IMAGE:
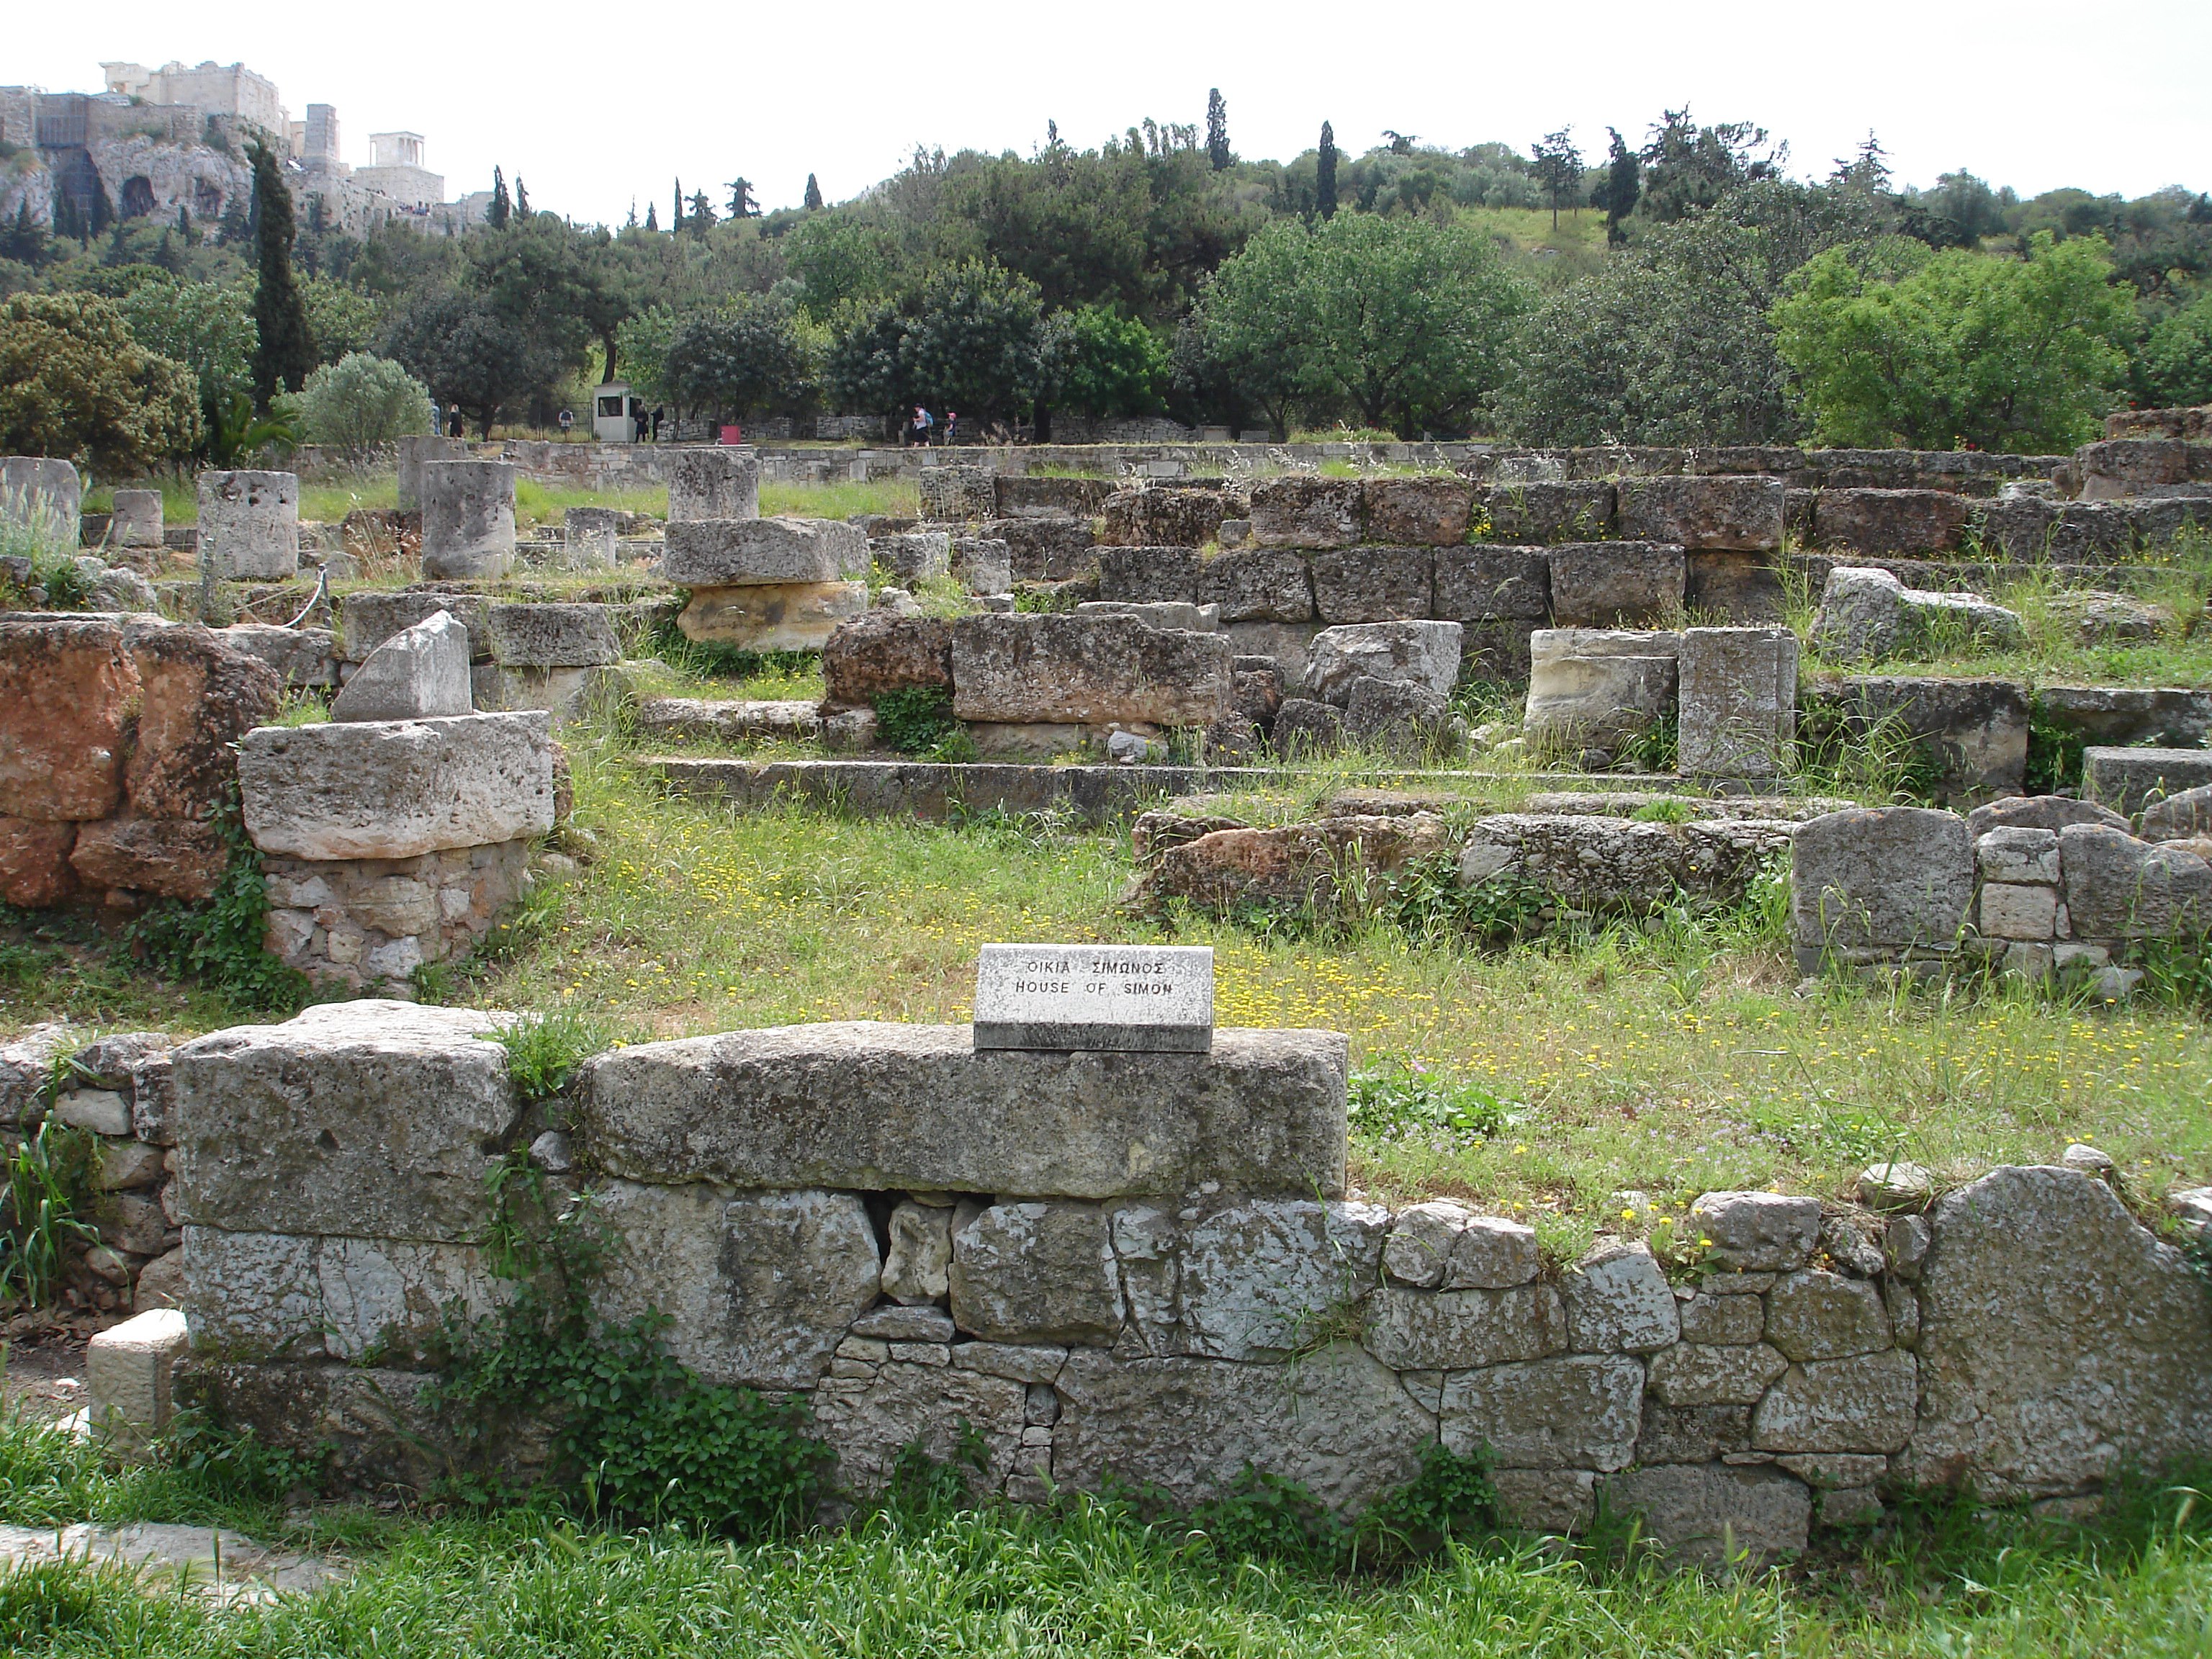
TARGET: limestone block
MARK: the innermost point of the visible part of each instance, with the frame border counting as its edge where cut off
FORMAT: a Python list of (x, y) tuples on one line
[(1757, 1231), (2178, 717), (2019, 853), (1539, 511), (128, 1369), (413, 451), (2017, 912), (160, 856), (26, 1066), (1157, 613), (298, 656), (1149, 575), (392, 789), (249, 526), (468, 518), (137, 518), (949, 1413), (1862, 1404), (872, 1107), (1431, 512), (421, 673), (916, 1265), (251, 1295), (1867, 614), (367, 619), (1740, 512), (68, 691), (1439, 1245), (1607, 866), (762, 552), (1714, 1513), (1019, 496), (773, 616), (1046, 549), (1740, 589), (590, 538), (1292, 867), (1304, 510), (1304, 728), (760, 1288), (1883, 878), (1336, 1420), (920, 1324), (984, 564), (1617, 584), (2117, 887), (1259, 1280), (553, 636), (34, 489), (881, 653), (389, 1299), (1441, 1330), (195, 700), (1581, 1411), (1399, 717), (1723, 1319), (103, 1111), (1972, 734), (1811, 1315), (367, 1118), (1916, 523), (912, 556), (2129, 779), (1093, 671), (714, 482), (1483, 583), (1258, 585), (1424, 653), (2178, 817), (2027, 531), (1738, 701), (1373, 584), (1692, 1434), (1036, 1273), (1597, 686), (35, 863), (1619, 1301), (1150, 517)]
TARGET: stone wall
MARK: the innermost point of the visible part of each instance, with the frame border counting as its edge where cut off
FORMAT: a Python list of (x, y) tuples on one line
[(1148, 1268)]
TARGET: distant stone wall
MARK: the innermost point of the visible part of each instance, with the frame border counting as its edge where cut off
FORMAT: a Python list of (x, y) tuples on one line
[(1148, 1268)]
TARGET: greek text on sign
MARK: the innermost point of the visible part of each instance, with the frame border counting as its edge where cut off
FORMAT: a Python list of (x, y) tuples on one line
[(1155, 997)]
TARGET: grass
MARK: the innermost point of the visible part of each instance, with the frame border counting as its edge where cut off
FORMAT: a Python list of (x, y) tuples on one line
[(1087, 1578), (894, 498)]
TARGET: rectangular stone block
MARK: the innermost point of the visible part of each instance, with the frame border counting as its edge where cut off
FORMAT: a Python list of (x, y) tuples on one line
[(1132, 997), (368, 618), (773, 616), (374, 1119), (1374, 585), (1911, 522), (1484, 582), (1263, 584), (249, 526), (714, 482), (1548, 512), (753, 552), (1420, 512), (1091, 671), (392, 789), (1737, 699), (1304, 510), (128, 1368), (553, 636), (2128, 779), (1743, 512), (1617, 584), (1149, 575), (870, 1108), (1972, 734), (68, 691)]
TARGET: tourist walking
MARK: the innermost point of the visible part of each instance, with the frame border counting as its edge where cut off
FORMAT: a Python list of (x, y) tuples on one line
[(919, 426), (952, 426)]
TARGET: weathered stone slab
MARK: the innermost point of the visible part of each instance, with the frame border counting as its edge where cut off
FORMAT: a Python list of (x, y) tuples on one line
[(1046, 549), (1911, 522), (366, 1118), (2130, 779), (169, 857), (1972, 734), (1449, 1330), (1882, 877), (1156, 613), (1617, 584), (773, 616), (918, 1108), (2170, 716), (1868, 614), (553, 636), (421, 673), (1424, 654), (298, 656), (1149, 517), (1149, 575), (195, 700), (1758, 1232), (1597, 686), (759, 1288), (1485, 583), (468, 518), (1539, 511), (34, 488), (1303, 510), (1373, 583), (249, 526), (1606, 866), (368, 618), (1418, 512), (1296, 865), (1619, 1301), (2049, 813), (394, 789), (1812, 1315), (1258, 585), (1578, 1412), (252, 1295), (2117, 887), (948, 1413), (881, 653), (1740, 512), (1262, 1280), (1714, 1374), (1136, 997), (762, 552), (1862, 1404), (716, 482), (1737, 701), (1713, 1513), (1440, 1245), (1091, 670), (68, 690), (1337, 1421), (1036, 1273)]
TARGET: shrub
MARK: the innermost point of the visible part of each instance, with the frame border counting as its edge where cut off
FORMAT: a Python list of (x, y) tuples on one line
[(74, 382), (915, 720), (219, 940), (362, 401)]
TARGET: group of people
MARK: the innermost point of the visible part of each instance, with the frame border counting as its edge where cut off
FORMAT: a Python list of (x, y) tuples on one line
[(918, 429)]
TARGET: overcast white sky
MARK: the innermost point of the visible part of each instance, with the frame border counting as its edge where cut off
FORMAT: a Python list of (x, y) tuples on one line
[(597, 106)]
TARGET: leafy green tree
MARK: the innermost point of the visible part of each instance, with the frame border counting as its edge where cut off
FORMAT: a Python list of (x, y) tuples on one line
[(1246, 340), (1687, 169), (1218, 155), (1623, 184), (284, 349), (840, 261), (344, 319), (1325, 173), (1404, 320), (459, 345), (743, 203), (699, 216), (206, 327), (564, 288), (2174, 366), (1934, 350), (359, 402), (73, 383), (970, 338), (1559, 169), (751, 356), (1104, 365)]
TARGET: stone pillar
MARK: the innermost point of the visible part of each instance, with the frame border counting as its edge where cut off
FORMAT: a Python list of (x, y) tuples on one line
[(767, 584), (714, 484), (33, 487), (138, 518), (128, 1369), (468, 518), (413, 451), (1738, 703), (592, 533), (249, 526)]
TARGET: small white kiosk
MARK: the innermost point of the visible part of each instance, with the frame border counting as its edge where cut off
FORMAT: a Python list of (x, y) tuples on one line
[(614, 413)]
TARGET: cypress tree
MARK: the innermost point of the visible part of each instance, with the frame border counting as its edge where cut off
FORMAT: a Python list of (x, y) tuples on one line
[(284, 355), (502, 209), (1325, 173), (521, 199), (1216, 130), (652, 216), (1623, 184), (677, 224), (813, 201)]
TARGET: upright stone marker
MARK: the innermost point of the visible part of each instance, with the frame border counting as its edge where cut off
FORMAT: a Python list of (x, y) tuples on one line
[(249, 526), (468, 518), (1153, 998)]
